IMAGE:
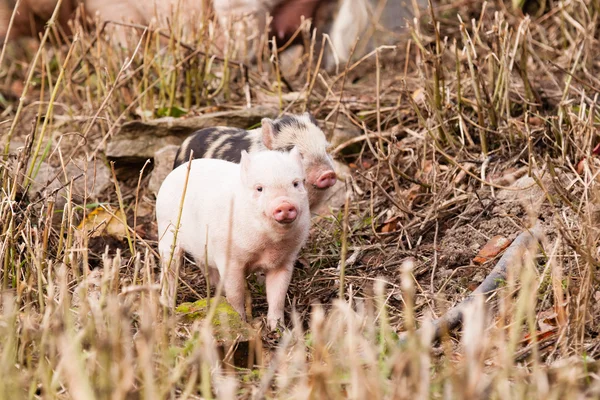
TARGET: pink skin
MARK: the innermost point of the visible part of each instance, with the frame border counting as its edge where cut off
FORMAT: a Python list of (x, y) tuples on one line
[(287, 16), (277, 282), (317, 164), (326, 180), (271, 221), (285, 212), (320, 179)]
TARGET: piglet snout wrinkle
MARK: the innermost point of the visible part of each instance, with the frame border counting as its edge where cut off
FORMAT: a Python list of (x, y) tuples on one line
[(285, 213), (326, 180)]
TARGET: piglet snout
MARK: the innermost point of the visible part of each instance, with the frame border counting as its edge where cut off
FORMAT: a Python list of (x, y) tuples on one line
[(285, 213), (326, 180)]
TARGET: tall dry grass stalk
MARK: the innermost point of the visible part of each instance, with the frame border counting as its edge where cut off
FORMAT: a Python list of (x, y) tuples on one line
[(480, 95)]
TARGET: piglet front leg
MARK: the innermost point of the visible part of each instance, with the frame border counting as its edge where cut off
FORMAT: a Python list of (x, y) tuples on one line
[(277, 281)]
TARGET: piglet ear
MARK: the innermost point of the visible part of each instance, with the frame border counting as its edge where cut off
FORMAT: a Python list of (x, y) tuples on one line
[(245, 165), (268, 133), (295, 154), (310, 117)]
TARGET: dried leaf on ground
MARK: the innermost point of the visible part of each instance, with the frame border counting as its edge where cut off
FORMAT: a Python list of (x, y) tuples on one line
[(103, 221), (491, 249)]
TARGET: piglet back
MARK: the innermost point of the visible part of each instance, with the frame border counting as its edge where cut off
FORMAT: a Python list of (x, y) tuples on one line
[(217, 142)]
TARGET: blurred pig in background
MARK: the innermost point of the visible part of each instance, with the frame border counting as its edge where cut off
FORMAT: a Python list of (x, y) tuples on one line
[(374, 21)]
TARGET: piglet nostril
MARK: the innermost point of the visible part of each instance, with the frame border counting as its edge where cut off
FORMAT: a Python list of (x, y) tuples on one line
[(326, 180), (292, 213)]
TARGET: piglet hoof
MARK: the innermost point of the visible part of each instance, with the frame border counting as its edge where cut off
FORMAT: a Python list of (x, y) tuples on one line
[(275, 324), (166, 302)]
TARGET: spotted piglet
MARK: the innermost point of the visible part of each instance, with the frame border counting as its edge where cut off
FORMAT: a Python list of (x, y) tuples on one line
[(251, 216), (301, 131)]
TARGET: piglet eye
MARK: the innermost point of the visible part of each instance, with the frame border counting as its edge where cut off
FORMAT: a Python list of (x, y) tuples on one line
[(296, 184), (259, 188)]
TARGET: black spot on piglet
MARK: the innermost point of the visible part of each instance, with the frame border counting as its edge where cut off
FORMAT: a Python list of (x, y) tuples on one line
[(231, 149), (201, 141), (287, 121)]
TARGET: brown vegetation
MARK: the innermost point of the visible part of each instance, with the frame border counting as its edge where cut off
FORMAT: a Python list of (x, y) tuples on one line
[(477, 123)]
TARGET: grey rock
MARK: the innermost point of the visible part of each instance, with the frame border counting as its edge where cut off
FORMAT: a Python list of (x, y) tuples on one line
[(95, 181), (342, 135), (45, 181), (137, 141), (91, 181), (344, 130), (163, 164), (527, 193)]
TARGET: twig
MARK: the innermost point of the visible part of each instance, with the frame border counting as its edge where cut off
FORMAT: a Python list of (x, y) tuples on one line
[(29, 79), (243, 67), (513, 255), (360, 138), (580, 81), (10, 24)]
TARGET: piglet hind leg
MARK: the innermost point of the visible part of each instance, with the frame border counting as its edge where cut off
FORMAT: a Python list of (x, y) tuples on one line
[(213, 278), (277, 281), (234, 284)]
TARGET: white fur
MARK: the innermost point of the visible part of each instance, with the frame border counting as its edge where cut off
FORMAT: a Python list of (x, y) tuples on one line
[(312, 144), (351, 22), (256, 240)]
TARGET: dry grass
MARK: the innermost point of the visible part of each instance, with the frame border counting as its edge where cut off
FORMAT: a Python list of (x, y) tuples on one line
[(451, 116)]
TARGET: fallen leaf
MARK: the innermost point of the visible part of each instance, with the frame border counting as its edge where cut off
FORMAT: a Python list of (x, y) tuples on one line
[(390, 225), (540, 335), (418, 96), (367, 164), (580, 166), (16, 88), (536, 121), (547, 320), (424, 173), (463, 172), (491, 249), (350, 260), (101, 222), (412, 192)]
